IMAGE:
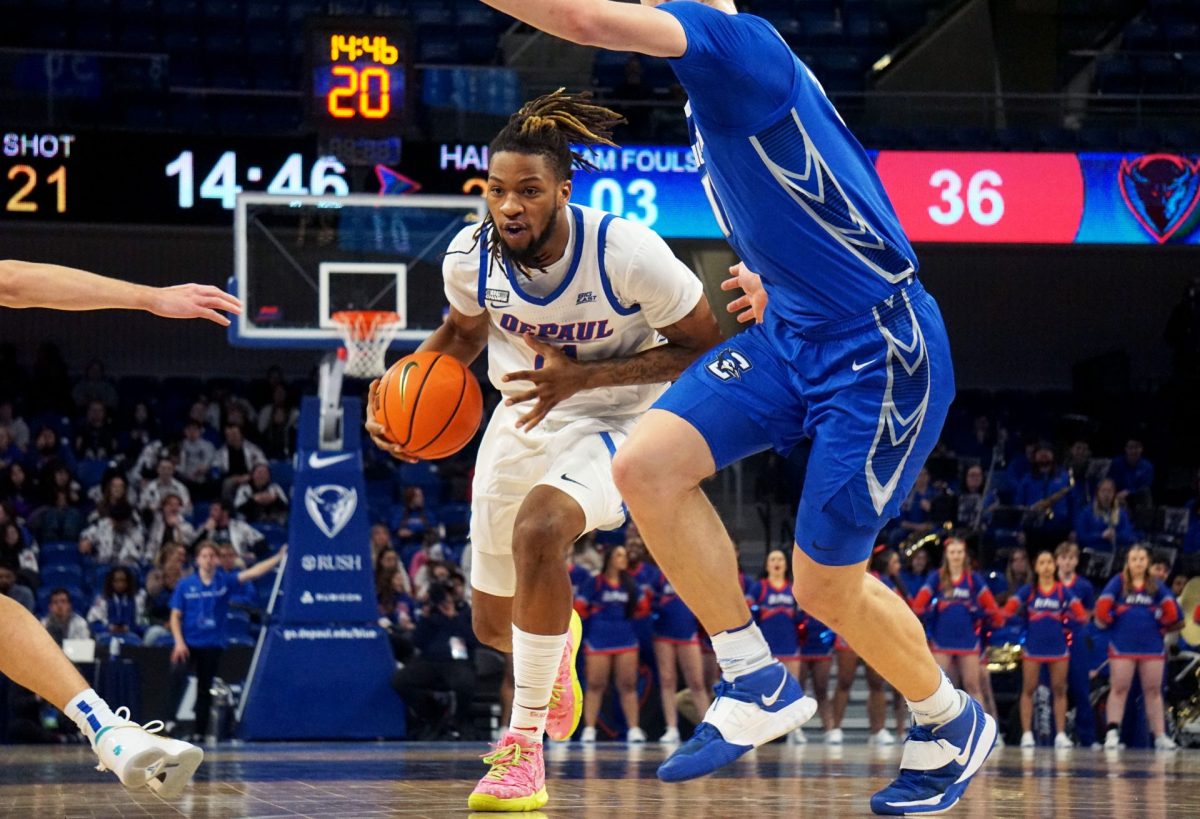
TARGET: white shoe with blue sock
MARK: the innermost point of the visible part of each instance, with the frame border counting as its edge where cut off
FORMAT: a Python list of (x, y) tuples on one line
[(752, 710), (938, 763)]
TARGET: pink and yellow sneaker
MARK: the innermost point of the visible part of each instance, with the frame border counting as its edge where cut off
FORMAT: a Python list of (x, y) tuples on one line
[(517, 779), (566, 698)]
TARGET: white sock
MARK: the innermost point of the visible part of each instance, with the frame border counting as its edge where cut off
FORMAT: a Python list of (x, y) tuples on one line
[(941, 706), (90, 712), (741, 651), (536, 658)]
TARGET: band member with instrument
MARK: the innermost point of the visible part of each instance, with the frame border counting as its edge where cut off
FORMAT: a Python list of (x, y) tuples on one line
[(1104, 526), (1044, 494)]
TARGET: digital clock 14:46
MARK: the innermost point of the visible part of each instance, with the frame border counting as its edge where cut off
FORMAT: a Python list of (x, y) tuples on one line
[(224, 180)]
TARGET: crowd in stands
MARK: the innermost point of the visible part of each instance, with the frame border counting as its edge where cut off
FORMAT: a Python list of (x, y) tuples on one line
[(110, 491)]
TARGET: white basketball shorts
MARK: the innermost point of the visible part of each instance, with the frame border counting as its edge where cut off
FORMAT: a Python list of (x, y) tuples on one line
[(574, 456)]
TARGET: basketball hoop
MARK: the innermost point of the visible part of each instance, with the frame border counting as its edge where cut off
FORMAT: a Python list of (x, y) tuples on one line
[(367, 334)]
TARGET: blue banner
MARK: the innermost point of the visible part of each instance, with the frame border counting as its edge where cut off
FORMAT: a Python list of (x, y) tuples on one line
[(322, 669)]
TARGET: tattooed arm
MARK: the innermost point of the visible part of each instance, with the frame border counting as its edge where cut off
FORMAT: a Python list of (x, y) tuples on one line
[(561, 376)]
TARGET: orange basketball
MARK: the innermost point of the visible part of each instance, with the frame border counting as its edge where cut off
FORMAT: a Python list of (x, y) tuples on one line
[(430, 404)]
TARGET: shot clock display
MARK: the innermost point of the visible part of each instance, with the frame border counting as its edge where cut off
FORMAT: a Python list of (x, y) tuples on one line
[(34, 172), (358, 75)]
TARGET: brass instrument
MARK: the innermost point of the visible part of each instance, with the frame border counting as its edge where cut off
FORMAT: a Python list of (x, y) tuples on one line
[(1043, 510), (915, 543), (1188, 600), (1187, 710), (1004, 658)]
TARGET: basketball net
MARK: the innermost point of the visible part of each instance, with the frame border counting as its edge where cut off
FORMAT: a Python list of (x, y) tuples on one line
[(367, 334)]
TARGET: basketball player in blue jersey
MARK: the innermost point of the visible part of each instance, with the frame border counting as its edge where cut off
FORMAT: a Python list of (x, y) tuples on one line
[(850, 352), (28, 655), (585, 317)]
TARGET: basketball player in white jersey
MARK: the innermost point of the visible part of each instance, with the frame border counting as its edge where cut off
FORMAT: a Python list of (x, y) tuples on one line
[(28, 655), (587, 316)]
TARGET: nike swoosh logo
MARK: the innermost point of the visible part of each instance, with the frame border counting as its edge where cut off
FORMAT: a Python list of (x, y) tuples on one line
[(572, 480), (964, 756), (409, 367), (854, 365), (320, 462), (769, 701), (820, 548)]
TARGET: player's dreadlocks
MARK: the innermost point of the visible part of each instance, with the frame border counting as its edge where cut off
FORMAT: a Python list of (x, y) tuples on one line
[(548, 126)]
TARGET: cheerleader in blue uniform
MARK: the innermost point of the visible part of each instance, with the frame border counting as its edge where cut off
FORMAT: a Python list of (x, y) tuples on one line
[(775, 610), (956, 599), (1045, 606), (611, 644), (676, 645), (1079, 684), (1136, 610)]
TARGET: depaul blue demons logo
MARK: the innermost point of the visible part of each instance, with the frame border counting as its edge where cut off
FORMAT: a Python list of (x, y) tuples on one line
[(729, 364), (1161, 190), (330, 506)]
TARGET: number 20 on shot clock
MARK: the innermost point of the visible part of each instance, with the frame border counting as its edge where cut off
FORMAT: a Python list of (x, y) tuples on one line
[(359, 73)]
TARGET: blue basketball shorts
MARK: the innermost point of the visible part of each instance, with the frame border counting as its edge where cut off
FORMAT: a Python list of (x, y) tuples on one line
[(871, 391)]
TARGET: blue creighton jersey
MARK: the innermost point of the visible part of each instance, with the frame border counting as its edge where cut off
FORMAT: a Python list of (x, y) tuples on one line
[(796, 195)]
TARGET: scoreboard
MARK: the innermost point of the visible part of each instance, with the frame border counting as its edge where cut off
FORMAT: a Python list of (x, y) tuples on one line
[(958, 197)]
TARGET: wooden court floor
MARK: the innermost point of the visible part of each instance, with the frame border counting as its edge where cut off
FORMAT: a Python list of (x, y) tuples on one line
[(433, 780)]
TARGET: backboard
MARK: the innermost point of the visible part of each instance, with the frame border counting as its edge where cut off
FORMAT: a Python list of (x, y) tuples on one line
[(300, 259)]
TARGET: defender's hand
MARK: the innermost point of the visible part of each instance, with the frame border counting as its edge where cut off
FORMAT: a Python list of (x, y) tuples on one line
[(186, 301), (558, 379), (751, 305), (378, 432)]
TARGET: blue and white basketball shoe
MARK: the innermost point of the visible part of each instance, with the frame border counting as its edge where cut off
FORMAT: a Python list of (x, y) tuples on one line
[(750, 711), (938, 763)]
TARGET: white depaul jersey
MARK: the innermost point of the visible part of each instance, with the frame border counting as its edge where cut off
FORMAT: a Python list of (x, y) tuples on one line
[(615, 284)]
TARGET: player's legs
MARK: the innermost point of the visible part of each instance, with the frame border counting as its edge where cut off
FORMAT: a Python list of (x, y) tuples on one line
[(876, 701), (1058, 687), (599, 670), (872, 619), (1030, 671), (1120, 675), (968, 672), (668, 682), (625, 672), (1150, 672), (900, 711), (491, 618), (658, 471), (548, 522), (31, 658)]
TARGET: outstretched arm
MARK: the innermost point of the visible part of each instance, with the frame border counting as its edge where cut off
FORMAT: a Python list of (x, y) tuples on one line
[(602, 23), (262, 567), (30, 284)]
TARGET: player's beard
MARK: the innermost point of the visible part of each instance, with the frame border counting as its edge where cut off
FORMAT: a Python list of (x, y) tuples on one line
[(528, 256)]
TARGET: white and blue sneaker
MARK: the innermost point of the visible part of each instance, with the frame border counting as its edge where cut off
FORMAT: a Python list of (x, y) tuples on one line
[(750, 711), (938, 763)]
